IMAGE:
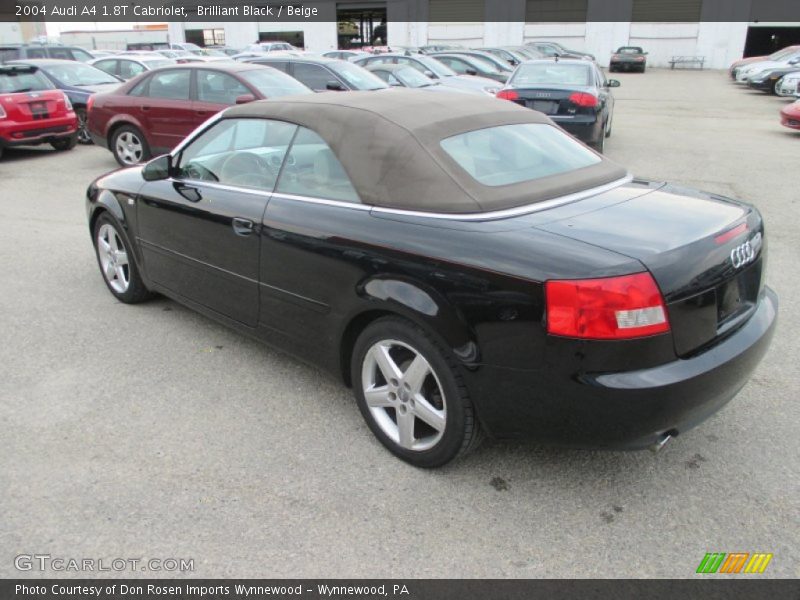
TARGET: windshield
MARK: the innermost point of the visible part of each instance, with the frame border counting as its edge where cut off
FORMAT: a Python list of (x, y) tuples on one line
[(12, 82), (514, 153), (271, 83), (485, 64), (552, 73), (358, 77), (629, 50), (437, 67), (782, 53), (412, 78), (73, 73)]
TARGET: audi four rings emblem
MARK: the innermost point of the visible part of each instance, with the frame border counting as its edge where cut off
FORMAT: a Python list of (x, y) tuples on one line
[(744, 254)]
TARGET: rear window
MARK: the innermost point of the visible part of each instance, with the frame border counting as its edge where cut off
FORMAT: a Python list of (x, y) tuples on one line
[(629, 50), (552, 73), (514, 153), (15, 82)]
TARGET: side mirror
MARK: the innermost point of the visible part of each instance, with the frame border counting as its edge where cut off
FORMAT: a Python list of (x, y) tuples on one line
[(470, 71), (794, 61), (157, 169), (334, 86), (245, 98), (613, 83), (430, 74)]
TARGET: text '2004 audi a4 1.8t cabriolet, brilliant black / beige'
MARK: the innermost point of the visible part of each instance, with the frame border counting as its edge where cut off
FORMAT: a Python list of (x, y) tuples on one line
[(461, 262)]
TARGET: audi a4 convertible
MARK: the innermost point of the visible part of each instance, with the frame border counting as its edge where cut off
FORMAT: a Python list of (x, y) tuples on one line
[(464, 264)]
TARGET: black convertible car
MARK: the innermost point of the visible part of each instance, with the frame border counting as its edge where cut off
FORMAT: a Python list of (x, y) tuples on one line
[(573, 93), (628, 58), (461, 262)]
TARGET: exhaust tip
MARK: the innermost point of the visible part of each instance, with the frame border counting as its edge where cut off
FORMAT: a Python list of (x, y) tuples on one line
[(663, 441)]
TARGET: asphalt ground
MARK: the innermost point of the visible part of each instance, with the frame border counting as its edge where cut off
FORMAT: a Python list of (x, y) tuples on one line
[(150, 431)]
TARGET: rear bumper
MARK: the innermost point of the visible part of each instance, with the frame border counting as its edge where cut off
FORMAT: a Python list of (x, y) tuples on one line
[(625, 64), (626, 410), (37, 132), (792, 122), (586, 129)]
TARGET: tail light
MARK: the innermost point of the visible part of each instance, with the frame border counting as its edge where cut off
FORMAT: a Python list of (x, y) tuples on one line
[(611, 308), (3, 114), (614, 56), (508, 95), (67, 102), (640, 58), (89, 103), (583, 99)]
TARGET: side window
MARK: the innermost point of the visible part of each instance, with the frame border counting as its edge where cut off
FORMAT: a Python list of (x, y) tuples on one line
[(61, 53), (219, 88), (385, 75), (129, 69), (109, 66), (39, 53), (458, 66), (170, 84), (239, 152), (80, 55), (140, 89), (281, 66), (402, 60), (313, 76), (312, 169)]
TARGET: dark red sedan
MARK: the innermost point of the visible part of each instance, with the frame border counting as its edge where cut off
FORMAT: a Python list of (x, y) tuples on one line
[(790, 116), (152, 113)]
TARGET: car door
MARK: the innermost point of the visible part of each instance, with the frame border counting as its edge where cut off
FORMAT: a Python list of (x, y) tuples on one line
[(199, 230), (128, 69), (314, 76), (167, 109), (110, 66), (215, 91)]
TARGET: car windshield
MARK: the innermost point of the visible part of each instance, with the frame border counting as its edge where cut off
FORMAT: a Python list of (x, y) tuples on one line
[(358, 77), (12, 81), (439, 68), (552, 73), (271, 83), (629, 50), (412, 78), (514, 153), (73, 73), (484, 64), (782, 53)]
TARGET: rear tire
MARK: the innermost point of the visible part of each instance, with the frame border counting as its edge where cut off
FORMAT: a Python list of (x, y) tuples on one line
[(67, 143), (418, 406), (600, 144), (83, 127), (117, 262), (129, 146)]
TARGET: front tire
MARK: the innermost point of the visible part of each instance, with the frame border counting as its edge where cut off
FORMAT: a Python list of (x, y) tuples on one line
[(411, 394), (129, 146), (67, 143), (117, 264)]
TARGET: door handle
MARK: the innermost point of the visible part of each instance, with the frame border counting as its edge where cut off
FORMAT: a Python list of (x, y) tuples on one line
[(202, 113), (145, 108), (192, 194), (242, 226)]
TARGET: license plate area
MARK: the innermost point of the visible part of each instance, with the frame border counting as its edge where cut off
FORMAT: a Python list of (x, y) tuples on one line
[(738, 295), (38, 109), (548, 107)]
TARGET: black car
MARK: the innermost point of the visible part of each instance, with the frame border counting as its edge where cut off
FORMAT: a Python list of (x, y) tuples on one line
[(78, 81), (769, 79), (27, 51), (322, 74), (573, 93), (628, 58), (461, 262), (475, 63)]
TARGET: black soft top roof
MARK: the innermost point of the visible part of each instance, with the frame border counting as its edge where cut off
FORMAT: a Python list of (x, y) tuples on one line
[(388, 142)]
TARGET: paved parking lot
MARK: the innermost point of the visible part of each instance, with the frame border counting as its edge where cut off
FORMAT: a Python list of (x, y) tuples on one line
[(150, 431)]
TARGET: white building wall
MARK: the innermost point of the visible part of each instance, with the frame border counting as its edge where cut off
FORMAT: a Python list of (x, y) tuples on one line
[(10, 33), (572, 35), (662, 41)]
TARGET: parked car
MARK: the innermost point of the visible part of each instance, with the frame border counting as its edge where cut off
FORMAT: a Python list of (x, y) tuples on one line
[(769, 80), (628, 58), (553, 49), (153, 112), (572, 92), (409, 77), (475, 62), (428, 48), (465, 266), (436, 70), (227, 50), (743, 74), (101, 53), (267, 47), (26, 51), (789, 85), (33, 111), (775, 56), (790, 115), (323, 74), (79, 81), (345, 54), (186, 46), (513, 55), (126, 67)]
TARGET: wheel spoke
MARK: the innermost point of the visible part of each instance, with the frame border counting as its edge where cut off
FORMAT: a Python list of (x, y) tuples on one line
[(122, 258), (112, 241), (426, 412), (377, 397), (416, 373), (104, 246), (120, 271), (386, 363), (405, 429), (111, 272)]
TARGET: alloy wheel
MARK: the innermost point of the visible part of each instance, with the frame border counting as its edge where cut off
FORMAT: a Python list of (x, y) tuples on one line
[(404, 395), (83, 129), (113, 258), (129, 148)]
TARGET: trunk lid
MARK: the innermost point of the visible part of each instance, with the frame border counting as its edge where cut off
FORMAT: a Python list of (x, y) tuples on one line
[(553, 100), (705, 252), (34, 106)]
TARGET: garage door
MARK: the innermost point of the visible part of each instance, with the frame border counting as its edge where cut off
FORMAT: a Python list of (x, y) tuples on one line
[(456, 10), (549, 11), (686, 11)]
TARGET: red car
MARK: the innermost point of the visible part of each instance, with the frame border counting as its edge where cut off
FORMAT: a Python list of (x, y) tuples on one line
[(790, 116), (33, 112), (152, 113)]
